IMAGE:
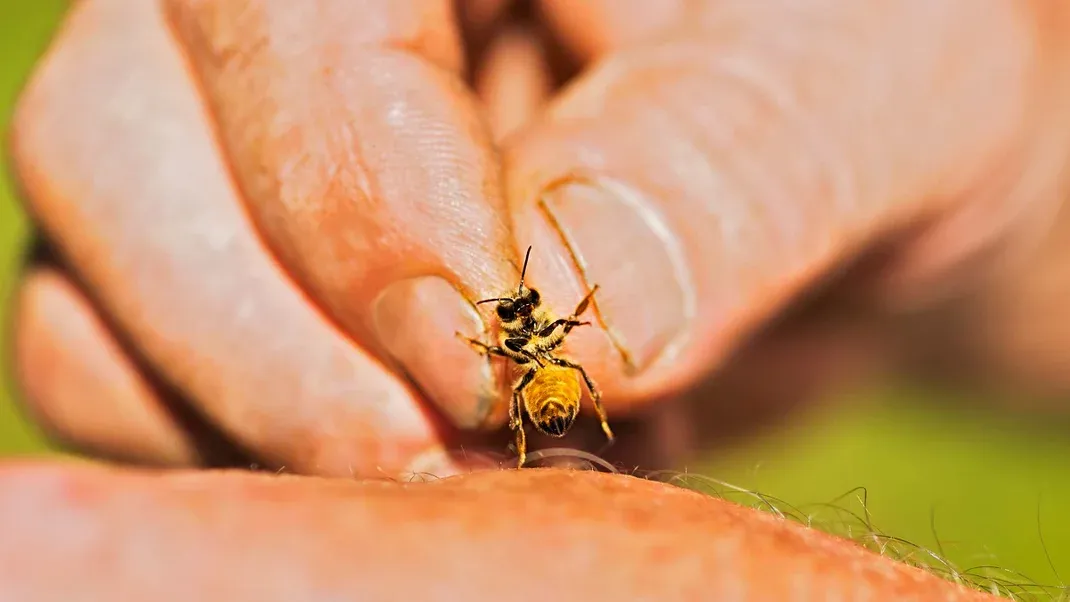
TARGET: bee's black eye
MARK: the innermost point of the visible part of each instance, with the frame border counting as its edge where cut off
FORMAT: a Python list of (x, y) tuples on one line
[(506, 312), (535, 297)]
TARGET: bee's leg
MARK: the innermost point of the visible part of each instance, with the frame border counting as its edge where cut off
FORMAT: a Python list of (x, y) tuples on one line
[(516, 345), (596, 395), (572, 321), (479, 346), (516, 417), (516, 424), (568, 323), (582, 305), (483, 348)]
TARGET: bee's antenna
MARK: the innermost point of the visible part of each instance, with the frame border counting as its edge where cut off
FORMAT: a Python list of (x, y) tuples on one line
[(523, 271), (491, 301)]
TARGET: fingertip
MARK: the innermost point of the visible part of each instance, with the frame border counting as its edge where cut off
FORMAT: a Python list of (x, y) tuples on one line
[(514, 80), (418, 321), (598, 233)]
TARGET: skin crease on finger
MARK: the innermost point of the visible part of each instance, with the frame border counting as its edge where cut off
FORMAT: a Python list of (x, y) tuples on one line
[(114, 151), (492, 535)]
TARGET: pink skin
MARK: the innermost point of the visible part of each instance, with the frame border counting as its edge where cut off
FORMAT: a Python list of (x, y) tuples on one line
[(96, 533), (282, 212)]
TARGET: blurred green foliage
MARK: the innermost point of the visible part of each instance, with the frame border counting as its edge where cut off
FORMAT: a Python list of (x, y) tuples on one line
[(978, 486), (25, 27)]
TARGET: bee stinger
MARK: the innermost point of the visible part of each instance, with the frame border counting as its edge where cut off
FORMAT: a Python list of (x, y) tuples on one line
[(549, 390)]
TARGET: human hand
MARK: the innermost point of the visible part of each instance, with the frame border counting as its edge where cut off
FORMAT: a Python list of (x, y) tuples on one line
[(279, 255)]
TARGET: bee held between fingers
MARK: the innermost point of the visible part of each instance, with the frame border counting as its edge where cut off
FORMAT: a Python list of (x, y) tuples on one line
[(531, 337)]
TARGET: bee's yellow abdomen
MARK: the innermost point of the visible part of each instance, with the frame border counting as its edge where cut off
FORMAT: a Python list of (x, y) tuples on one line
[(553, 383), (552, 399)]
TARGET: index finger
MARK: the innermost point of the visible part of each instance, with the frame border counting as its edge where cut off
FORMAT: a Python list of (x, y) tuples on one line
[(367, 168), (82, 533)]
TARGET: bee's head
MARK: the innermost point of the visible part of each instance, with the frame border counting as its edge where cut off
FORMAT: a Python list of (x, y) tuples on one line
[(522, 304), (515, 308)]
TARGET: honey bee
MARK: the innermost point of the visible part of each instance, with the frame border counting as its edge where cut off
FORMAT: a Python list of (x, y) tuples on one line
[(549, 390)]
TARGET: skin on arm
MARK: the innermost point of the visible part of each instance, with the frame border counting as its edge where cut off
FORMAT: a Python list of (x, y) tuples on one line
[(483, 536)]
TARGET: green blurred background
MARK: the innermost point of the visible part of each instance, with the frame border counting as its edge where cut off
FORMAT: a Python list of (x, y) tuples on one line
[(25, 28), (977, 487)]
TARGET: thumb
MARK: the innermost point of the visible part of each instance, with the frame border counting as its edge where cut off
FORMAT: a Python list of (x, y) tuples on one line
[(704, 179)]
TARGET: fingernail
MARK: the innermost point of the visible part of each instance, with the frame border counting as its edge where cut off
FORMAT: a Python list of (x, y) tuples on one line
[(416, 321), (621, 243)]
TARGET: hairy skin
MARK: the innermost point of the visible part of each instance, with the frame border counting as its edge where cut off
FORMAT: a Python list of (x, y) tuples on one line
[(96, 533)]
